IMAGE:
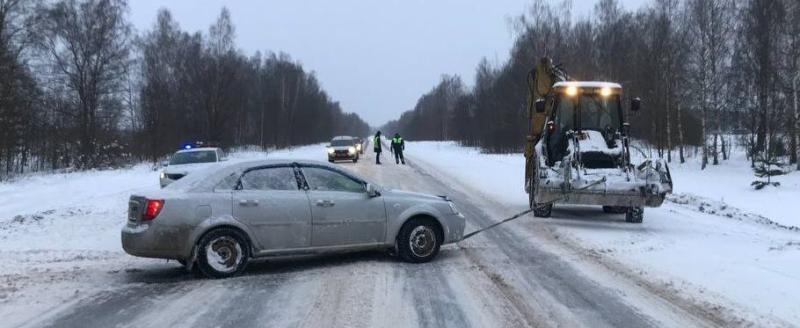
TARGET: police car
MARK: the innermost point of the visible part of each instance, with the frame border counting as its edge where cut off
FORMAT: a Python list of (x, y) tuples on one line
[(191, 157)]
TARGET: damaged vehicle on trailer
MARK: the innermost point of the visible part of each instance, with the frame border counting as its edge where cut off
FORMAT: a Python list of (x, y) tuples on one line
[(578, 151)]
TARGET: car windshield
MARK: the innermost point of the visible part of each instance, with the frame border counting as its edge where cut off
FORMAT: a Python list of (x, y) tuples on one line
[(191, 157), (341, 142)]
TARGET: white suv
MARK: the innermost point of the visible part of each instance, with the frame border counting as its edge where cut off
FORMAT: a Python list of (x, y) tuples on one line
[(186, 161)]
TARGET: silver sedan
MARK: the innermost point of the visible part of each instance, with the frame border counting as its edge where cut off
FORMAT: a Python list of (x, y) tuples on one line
[(220, 218)]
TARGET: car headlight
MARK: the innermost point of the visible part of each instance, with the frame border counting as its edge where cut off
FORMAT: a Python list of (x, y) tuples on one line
[(358, 146), (330, 150), (352, 150), (453, 208), (163, 175)]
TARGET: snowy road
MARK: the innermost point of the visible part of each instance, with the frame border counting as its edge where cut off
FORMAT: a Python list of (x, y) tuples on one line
[(521, 274), (500, 278)]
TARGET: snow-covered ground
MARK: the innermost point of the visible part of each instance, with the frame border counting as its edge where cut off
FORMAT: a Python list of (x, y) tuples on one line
[(51, 224), (716, 238)]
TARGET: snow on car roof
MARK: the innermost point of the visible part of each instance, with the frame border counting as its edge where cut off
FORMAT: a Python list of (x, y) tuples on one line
[(588, 84)]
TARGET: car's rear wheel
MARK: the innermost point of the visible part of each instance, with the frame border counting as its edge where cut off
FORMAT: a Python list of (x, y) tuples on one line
[(419, 241), (222, 253)]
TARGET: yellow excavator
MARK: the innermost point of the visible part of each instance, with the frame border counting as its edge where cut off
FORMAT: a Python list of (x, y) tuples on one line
[(578, 148)]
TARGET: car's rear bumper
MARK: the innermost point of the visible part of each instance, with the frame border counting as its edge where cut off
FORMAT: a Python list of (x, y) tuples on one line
[(155, 241)]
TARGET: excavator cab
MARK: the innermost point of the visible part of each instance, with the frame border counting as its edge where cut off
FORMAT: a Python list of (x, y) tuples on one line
[(592, 113), (578, 150)]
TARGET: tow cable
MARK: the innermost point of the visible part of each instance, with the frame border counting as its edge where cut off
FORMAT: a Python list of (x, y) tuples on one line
[(523, 213), (516, 216)]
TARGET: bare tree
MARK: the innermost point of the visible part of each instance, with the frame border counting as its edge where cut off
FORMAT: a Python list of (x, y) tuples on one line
[(710, 28), (87, 45)]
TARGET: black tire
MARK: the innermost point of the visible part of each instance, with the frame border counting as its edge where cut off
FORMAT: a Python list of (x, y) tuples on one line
[(330, 161), (634, 215), (543, 210), (419, 241), (615, 209), (232, 247), (355, 160)]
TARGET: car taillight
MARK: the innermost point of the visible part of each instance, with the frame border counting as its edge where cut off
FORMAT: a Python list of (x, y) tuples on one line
[(152, 208)]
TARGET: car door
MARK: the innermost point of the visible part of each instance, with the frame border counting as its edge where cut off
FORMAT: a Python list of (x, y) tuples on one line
[(343, 214), (271, 202)]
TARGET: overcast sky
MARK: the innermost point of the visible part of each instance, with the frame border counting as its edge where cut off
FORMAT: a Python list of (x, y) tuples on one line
[(375, 57)]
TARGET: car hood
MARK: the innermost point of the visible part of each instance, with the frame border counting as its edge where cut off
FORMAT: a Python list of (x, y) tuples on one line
[(340, 147), (414, 195), (186, 168)]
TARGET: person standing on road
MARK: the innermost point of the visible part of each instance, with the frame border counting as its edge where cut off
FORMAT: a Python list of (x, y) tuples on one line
[(398, 146), (377, 147)]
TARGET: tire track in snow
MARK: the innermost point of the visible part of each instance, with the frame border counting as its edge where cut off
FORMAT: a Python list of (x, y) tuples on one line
[(435, 303), (582, 297)]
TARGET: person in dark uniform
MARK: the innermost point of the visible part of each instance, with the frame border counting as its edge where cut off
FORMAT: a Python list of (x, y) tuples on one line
[(376, 142), (398, 145)]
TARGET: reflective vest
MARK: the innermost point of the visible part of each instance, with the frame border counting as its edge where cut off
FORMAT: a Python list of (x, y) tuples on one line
[(377, 144), (397, 140)]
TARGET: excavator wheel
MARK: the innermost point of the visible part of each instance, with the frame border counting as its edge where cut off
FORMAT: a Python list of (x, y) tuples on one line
[(634, 215), (539, 210), (615, 209), (543, 210)]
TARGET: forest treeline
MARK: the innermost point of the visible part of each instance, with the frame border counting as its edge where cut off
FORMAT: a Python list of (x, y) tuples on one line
[(708, 72), (81, 89)]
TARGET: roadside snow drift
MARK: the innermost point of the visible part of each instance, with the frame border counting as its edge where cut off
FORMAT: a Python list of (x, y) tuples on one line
[(716, 237)]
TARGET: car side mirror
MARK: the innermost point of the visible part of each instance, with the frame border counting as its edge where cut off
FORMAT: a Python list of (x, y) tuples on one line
[(539, 105), (165, 163), (372, 191), (626, 128), (636, 104), (222, 159)]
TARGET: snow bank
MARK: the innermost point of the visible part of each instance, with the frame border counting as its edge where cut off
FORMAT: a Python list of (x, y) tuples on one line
[(716, 239), (729, 183), (83, 211)]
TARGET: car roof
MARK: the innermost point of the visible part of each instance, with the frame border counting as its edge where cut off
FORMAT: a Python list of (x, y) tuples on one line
[(587, 84), (342, 138), (269, 162), (198, 149)]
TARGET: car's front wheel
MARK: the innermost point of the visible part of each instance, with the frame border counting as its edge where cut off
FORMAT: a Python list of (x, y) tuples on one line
[(419, 241), (222, 253)]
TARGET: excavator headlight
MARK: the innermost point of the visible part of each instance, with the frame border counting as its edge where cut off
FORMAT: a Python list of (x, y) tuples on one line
[(572, 91)]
